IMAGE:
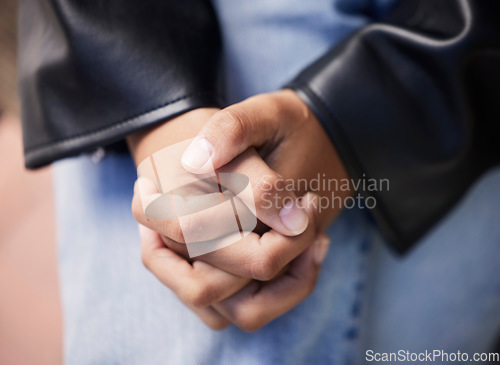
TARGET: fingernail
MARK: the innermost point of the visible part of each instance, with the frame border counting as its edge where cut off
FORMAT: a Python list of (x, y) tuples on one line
[(197, 154), (294, 218), (321, 247)]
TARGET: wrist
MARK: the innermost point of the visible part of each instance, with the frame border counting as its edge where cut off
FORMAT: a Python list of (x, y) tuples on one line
[(145, 142)]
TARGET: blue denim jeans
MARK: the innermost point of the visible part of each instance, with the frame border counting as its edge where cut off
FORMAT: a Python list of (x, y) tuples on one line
[(445, 294), (116, 312)]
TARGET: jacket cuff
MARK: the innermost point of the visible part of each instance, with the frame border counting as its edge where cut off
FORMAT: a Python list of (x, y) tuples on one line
[(404, 106), (92, 72), (41, 155), (355, 166)]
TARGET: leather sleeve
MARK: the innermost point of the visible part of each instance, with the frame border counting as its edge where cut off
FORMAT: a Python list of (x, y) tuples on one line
[(93, 71), (415, 100)]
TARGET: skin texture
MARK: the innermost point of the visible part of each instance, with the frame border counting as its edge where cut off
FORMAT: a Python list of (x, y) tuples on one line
[(268, 138)]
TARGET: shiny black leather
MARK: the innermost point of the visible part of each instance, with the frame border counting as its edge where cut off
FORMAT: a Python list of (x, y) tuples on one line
[(417, 101), (92, 71)]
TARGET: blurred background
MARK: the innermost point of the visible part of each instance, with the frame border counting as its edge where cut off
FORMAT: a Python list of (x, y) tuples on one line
[(30, 315)]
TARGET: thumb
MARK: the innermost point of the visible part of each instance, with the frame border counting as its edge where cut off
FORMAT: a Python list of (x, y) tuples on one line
[(229, 132)]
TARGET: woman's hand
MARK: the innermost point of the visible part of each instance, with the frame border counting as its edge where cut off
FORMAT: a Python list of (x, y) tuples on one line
[(292, 150), (276, 142), (262, 137), (220, 298)]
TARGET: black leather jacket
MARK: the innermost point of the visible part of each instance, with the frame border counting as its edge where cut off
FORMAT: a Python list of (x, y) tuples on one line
[(415, 99)]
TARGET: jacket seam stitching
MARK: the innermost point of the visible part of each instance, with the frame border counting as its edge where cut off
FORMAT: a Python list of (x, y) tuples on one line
[(115, 125)]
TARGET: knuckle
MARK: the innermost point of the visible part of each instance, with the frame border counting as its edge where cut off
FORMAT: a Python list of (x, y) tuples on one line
[(248, 321), (192, 227), (310, 287), (234, 123), (146, 259), (136, 208), (170, 229), (268, 185), (307, 285), (287, 107), (278, 105), (197, 295), (248, 326), (265, 268), (218, 324)]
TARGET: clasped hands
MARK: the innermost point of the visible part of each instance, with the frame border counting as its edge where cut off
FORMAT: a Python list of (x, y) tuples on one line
[(268, 138)]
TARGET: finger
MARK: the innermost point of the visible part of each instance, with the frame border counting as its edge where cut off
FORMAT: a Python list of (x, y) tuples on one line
[(231, 131), (211, 215), (263, 257), (145, 193), (267, 198), (260, 303), (198, 285), (274, 204), (211, 318)]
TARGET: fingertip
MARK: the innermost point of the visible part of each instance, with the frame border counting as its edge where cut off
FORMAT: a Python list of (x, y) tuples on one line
[(322, 238), (321, 248)]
